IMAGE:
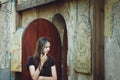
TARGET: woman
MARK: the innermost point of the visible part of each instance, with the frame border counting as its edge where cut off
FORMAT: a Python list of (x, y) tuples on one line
[(41, 65)]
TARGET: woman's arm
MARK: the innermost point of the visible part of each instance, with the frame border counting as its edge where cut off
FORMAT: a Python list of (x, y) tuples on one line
[(34, 73), (54, 75)]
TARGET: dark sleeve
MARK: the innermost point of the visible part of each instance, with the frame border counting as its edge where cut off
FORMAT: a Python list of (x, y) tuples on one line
[(30, 61), (52, 61)]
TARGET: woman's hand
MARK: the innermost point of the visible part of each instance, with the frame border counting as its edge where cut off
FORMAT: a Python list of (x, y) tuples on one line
[(43, 58), (40, 78)]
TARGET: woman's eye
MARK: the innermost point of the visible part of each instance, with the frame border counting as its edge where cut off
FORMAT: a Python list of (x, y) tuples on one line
[(46, 47)]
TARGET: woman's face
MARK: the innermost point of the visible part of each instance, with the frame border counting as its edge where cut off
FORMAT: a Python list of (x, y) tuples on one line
[(46, 48)]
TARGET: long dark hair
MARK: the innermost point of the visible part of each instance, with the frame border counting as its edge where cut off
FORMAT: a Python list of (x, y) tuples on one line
[(39, 49)]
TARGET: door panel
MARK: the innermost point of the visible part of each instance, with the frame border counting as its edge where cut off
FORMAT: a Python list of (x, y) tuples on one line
[(36, 29)]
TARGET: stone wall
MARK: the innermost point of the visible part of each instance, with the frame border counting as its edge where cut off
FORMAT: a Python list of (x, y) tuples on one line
[(7, 21), (112, 39), (22, 1), (4, 40)]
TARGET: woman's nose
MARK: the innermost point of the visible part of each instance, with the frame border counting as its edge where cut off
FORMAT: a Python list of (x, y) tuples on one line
[(48, 49)]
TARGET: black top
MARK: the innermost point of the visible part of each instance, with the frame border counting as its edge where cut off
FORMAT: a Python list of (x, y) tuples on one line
[(46, 69)]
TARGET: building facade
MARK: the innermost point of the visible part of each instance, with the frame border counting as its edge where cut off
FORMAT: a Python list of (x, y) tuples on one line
[(85, 34)]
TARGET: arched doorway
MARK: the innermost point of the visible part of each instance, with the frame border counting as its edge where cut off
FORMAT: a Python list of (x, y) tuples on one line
[(36, 29), (59, 21)]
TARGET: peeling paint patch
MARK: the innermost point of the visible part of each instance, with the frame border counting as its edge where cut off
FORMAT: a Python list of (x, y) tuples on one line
[(83, 50), (16, 51), (112, 45), (108, 17)]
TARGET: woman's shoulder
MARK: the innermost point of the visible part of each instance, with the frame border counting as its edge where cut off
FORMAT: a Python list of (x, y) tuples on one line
[(50, 57), (30, 57), (51, 60), (30, 61)]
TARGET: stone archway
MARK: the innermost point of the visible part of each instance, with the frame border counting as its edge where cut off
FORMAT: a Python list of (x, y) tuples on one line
[(59, 21)]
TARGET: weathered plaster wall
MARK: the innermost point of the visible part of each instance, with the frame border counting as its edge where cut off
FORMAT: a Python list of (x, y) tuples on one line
[(4, 40), (1, 26), (4, 37), (22, 1), (112, 39), (16, 50), (82, 39), (7, 20)]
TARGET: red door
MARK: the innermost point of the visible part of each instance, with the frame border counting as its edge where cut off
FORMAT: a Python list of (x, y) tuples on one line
[(36, 29)]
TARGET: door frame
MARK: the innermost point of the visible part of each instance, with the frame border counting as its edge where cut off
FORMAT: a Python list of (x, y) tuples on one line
[(98, 39), (64, 42), (58, 38)]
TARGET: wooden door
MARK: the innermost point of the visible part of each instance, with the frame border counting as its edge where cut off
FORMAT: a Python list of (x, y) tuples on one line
[(35, 30), (98, 40)]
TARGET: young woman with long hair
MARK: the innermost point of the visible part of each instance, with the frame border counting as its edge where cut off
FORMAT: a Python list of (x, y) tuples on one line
[(41, 65)]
